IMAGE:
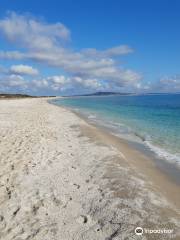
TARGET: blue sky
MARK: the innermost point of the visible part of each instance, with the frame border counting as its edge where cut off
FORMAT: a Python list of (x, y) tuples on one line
[(85, 46)]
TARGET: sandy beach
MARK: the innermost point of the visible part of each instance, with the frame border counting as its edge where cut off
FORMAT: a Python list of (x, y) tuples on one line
[(63, 179)]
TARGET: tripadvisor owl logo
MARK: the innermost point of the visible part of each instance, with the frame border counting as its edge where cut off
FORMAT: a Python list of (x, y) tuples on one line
[(139, 231)]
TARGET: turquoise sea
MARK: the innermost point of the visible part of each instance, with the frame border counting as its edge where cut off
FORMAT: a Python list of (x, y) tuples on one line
[(153, 120)]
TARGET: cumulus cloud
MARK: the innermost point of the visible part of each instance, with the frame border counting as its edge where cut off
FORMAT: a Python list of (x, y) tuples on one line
[(23, 70), (168, 84), (12, 55), (62, 83), (15, 80), (12, 81), (57, 82), (7, 82), (45, 43), (32, 33), (115, 51)]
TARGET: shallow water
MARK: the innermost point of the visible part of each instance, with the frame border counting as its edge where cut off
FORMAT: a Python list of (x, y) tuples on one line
[(152, 119)]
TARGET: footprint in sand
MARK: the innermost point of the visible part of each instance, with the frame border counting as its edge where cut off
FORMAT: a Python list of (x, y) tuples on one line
[(82, 219), (2, 222), (77, 185)]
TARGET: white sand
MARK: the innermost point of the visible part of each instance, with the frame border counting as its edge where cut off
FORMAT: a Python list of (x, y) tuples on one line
[(56, 183)]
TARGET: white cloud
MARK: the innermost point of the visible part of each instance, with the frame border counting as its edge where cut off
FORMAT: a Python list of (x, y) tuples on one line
[(44, 43), (57, 79), (23, 70), (31, 33), (115, 51), (12, 55), (12, 81), (57, 82), (61, 83), (168, 84), (15, 80), (119, 50), (42, 83), (165, 84)]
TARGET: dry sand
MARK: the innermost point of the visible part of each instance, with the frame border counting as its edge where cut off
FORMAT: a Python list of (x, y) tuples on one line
[(62, 179)]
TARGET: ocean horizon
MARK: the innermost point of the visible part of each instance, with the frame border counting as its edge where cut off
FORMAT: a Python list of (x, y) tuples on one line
[(152, 120)]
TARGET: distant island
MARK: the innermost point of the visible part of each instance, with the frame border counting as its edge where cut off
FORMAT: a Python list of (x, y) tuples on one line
[(117, 93), (99, 94)]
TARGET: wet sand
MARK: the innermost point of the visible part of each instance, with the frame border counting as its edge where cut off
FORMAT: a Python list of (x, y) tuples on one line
[(61, 178), (141, 163)]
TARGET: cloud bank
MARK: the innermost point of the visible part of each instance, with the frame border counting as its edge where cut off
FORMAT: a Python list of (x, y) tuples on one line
[(45, 43), (48, 44)]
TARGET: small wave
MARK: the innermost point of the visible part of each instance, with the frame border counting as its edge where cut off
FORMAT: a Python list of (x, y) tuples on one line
[(91, 116), (161, 153), (126, 132)]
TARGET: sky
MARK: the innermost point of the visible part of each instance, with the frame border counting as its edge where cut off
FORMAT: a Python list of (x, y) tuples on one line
[(63, 47)]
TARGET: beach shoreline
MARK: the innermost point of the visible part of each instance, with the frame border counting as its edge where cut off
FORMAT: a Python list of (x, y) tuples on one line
[(140, 160), (136, 119), (169, 169), (83, 182)]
